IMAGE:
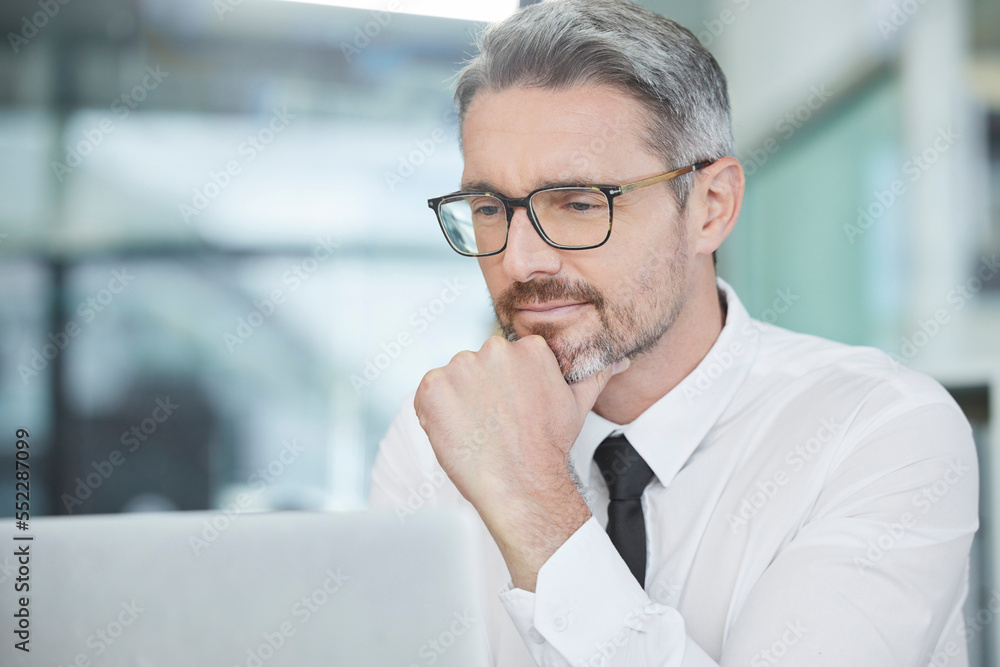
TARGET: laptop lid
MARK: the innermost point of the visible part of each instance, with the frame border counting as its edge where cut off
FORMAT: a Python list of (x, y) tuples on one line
[(245, 590)]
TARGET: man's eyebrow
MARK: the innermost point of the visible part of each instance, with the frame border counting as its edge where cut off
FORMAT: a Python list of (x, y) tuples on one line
[(486, 186), (570, 182), (479, 186)]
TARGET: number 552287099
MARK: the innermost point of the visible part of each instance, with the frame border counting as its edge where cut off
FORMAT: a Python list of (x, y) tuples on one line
[(22, 477)]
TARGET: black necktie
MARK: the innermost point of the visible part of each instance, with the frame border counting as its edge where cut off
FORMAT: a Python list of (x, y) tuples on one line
[(626, 475)]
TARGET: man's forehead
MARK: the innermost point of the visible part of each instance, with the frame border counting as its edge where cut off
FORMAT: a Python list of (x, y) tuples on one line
[(588, 109), (542, 137)]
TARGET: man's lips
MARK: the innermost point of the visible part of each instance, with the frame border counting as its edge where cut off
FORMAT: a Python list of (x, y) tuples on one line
[(550, 305), (551, 308)]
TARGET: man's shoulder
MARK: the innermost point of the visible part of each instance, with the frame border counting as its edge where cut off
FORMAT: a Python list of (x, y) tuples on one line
[(875, 409), (850, 371)]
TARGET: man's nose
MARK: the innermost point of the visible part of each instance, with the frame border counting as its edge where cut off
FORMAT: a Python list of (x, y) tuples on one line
[(527, 254)]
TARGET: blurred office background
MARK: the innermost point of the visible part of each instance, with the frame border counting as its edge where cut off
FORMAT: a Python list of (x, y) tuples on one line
[(217, 260)]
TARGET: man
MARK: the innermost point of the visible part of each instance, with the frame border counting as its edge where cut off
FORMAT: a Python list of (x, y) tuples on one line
[(660, 479)]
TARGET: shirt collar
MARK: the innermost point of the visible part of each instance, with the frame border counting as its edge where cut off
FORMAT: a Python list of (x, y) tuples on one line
[(670, 430)]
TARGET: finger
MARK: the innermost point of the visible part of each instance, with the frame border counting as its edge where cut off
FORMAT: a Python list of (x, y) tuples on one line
[(588, 389)]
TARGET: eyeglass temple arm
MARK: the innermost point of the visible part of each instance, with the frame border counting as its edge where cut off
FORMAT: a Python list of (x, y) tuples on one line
[(665, 177)]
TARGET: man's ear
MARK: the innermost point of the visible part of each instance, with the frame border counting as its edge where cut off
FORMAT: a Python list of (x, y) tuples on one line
[(718, 197)]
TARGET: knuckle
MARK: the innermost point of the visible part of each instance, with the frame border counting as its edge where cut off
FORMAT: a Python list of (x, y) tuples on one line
[(539, 341), (494, 343), (535, 343), (430, 382), (463, 358)]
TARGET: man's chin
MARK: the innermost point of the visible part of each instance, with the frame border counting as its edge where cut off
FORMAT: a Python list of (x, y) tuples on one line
[(582, 367), (577, 359), (579, 355)]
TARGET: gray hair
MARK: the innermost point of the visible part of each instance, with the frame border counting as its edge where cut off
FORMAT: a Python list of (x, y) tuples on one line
[(662, 65)]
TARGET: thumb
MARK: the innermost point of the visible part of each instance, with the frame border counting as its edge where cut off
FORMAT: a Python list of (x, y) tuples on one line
[(588, 389)]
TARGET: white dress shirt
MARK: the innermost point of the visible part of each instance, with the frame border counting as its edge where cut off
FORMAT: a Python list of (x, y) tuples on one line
[(814, 504)]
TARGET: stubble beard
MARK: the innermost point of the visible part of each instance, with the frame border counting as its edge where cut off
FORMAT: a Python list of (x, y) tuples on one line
[(652, 298)]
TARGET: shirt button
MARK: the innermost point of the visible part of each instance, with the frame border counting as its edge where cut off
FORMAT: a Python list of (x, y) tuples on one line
[(559, 623), (535, 635)]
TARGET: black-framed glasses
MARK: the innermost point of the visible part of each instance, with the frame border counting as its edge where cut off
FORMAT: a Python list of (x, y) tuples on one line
[(567, 217)]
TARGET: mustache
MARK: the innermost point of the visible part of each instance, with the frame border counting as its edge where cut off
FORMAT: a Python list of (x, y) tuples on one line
[(546, 289)]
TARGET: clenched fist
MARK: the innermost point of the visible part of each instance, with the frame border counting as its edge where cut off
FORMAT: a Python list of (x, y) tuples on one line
[(502, 422)]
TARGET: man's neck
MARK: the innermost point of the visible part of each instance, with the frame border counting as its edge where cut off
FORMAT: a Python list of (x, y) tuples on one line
[(654, 373)]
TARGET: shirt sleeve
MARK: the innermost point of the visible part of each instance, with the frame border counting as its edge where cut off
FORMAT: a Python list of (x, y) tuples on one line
[(872, 576), (588, 609)]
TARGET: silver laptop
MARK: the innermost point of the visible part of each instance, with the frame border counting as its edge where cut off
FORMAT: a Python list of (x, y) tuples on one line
[(289, 589)]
